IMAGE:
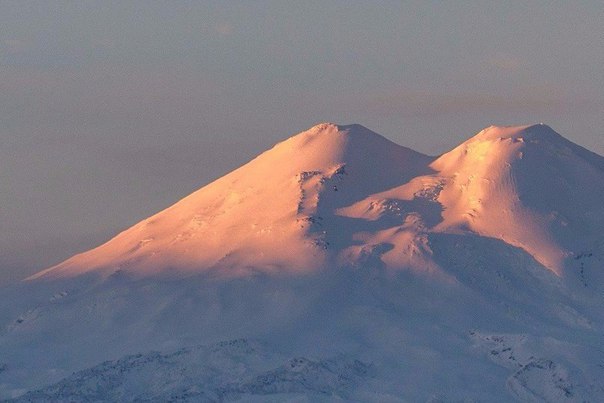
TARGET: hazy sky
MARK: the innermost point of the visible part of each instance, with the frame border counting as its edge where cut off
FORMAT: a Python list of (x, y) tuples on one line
[(111, 111)]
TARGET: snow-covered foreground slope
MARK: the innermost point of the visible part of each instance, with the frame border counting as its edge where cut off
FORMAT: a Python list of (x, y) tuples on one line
[(345, 267), (224, 371)]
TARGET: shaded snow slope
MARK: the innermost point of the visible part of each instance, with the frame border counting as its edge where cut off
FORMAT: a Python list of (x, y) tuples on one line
[(475, 275), (225, 371)]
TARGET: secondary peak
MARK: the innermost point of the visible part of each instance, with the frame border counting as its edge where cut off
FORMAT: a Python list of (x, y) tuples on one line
[(536, 132)]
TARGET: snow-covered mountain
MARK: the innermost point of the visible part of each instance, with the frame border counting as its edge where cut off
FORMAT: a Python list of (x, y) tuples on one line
[(336, 194), (478, 274)]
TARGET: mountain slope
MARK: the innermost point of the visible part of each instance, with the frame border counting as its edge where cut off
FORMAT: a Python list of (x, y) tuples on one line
[(224, 371)]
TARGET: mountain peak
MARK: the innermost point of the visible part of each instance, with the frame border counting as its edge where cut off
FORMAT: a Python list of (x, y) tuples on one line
[(330, 126), (500, 145), (533, 133), (329, 129), (325, 127), (328, 144)]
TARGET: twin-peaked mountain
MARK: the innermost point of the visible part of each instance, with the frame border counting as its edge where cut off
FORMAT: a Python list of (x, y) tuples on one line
[(338, 196), (336, 266)]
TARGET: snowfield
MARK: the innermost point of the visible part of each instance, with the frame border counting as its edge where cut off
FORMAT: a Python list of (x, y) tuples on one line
[(337, 266)]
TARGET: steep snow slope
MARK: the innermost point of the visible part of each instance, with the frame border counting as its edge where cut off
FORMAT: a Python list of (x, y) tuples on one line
[(476, 275)]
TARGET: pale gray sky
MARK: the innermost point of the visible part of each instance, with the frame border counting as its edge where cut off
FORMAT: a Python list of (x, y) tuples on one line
[(111, 111)]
